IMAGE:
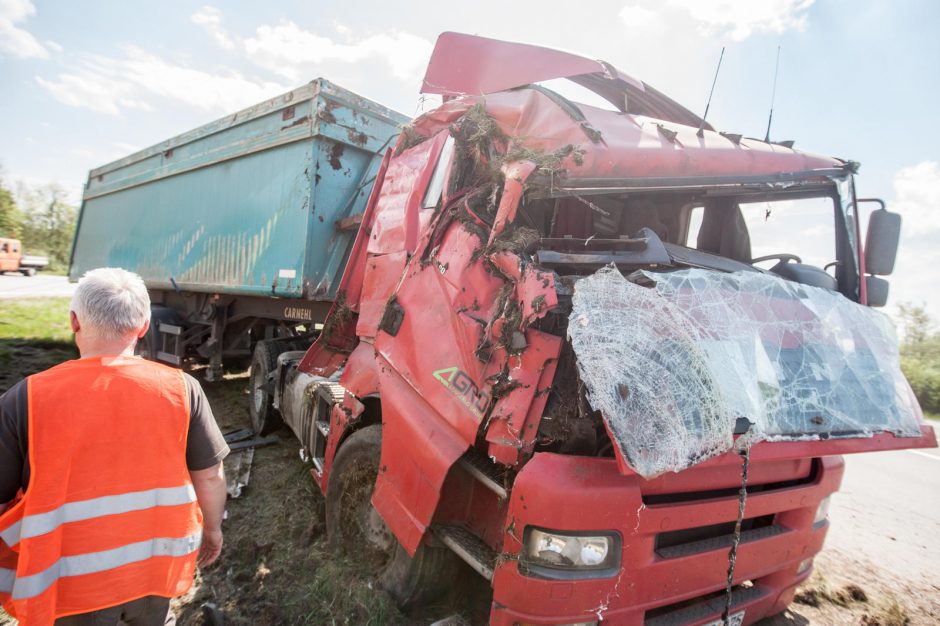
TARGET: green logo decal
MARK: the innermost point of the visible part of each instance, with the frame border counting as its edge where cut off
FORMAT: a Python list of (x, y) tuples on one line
[(463, 387)]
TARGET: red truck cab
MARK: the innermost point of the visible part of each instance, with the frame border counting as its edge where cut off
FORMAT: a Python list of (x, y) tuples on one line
[(555, 360)]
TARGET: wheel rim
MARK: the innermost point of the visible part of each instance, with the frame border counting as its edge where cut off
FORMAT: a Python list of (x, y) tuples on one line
[(258, 394)]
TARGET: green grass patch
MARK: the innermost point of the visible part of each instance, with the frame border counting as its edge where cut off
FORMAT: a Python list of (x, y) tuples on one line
[(34, 335)]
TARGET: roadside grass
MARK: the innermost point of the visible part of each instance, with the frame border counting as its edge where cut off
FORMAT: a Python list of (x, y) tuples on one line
[(884, 609), (888, 612), (34, 335), (818, 590)]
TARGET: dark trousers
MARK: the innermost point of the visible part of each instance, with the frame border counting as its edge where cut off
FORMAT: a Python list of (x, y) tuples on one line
[(147, 611)]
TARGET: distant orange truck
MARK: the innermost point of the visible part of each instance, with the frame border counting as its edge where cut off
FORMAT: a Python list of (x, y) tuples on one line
[(12, 258)]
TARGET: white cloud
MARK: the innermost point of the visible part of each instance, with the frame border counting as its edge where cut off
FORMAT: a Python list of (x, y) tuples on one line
[(917, 197), (134, 81), (917, 273), (738, 19), (288, 50), (54, 46), (641, 18), (210, 19), (15, 40)]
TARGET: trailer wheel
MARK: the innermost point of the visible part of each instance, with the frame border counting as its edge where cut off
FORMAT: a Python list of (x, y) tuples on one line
[(150, 344), (29, 271), (355, 527), (264, 417)]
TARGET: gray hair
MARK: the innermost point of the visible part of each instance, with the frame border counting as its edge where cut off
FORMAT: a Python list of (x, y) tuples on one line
[(111, 301)]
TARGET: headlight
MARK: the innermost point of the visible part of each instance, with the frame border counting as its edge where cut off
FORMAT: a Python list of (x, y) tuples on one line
[(567, 555), (805, 564), (823, 511)]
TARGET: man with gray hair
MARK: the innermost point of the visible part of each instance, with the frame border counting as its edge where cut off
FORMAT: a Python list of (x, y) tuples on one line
[(111, 484)]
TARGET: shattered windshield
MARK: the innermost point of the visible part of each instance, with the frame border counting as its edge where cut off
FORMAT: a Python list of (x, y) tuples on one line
[(673, 367)]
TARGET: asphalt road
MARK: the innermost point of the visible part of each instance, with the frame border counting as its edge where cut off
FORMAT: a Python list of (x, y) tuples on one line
[(15, 286), (888, 510)]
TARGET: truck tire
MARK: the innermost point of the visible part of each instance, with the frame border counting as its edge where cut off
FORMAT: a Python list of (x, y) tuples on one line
[(355, 527), (29, 271), (150, 344), (264, 417)]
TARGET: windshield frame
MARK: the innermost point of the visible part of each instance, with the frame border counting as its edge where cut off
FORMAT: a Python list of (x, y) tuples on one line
[(835, 183)]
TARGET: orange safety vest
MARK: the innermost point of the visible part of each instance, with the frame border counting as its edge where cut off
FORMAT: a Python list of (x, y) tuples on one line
[(110, 514)]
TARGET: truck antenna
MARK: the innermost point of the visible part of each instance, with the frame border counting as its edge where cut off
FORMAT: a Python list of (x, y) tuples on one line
[(773, 96), (701, 127)]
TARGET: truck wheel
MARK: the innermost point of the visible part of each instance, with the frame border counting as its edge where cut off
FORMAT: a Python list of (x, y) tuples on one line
[(264, 417), (29, 271), (354, 526), (148, 345)]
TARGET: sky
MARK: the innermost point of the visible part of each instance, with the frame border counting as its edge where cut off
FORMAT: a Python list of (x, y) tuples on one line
[(84, 83)]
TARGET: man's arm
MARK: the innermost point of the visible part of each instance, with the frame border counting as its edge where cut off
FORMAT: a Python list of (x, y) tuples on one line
[(14, 461), (210, 492)]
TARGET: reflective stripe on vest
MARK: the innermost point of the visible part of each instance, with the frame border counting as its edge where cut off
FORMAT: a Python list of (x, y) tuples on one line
[(42, 523), (94, 562)]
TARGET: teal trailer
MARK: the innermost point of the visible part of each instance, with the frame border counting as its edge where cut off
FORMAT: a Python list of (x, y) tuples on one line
[(241, 227)]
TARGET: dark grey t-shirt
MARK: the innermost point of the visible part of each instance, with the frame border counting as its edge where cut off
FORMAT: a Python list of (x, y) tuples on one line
[(205, 445)]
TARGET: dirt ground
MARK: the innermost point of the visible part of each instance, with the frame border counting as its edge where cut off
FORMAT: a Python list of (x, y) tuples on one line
[(276, 567)]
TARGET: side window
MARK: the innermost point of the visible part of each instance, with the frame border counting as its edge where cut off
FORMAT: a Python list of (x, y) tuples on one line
[(5, 248), (436, 187), (694, 225), (804, 227)]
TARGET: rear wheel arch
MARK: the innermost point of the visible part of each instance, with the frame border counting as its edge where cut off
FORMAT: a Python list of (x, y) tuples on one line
[(352, 523)]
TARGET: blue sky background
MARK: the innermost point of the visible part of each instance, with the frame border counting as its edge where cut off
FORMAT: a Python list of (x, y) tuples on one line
[(86, 82)]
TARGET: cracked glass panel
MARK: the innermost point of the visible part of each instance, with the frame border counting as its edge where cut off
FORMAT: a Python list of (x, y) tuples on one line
[(673, 367)]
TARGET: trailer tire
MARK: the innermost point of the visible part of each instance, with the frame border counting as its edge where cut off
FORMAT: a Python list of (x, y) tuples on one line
[(264, 417), (148, 345), (355, 527), (29, 271)]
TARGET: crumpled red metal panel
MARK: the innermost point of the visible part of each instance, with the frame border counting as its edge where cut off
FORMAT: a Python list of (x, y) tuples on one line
[(515, 417), (516, 174), (417, 452), (406, 180), (632, 146), (466, 64), (469, 65), (381, 278)]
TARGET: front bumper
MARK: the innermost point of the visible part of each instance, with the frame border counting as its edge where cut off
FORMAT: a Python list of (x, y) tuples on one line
[(682, 583)]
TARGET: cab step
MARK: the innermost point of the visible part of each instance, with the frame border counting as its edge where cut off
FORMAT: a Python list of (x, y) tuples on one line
[(468, 547), (486, 471)]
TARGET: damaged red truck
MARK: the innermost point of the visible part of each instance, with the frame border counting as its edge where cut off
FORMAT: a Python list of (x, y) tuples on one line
[(547, 376), (552, 358)]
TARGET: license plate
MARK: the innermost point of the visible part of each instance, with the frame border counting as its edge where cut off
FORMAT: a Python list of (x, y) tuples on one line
[(735, 619)]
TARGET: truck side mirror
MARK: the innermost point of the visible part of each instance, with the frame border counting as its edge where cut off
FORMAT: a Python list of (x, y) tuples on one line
[(877, 290), (881, 242)]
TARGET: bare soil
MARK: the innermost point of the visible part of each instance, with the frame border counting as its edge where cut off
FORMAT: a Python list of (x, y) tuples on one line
[(850, 589)]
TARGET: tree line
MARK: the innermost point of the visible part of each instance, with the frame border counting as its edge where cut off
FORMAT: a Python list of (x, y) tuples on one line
[(920, 356), (41, 219)]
